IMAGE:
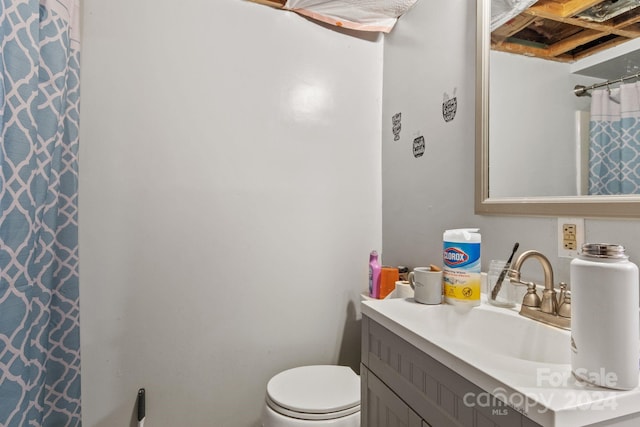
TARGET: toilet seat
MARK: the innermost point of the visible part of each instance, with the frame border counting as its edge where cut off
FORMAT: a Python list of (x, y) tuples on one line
[(320, 392)]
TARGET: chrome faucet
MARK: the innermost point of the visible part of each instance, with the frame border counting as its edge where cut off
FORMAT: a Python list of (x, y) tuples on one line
[(547, 309)]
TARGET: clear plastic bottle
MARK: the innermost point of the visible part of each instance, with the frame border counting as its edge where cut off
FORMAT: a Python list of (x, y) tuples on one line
[(374, 275), (604, 317)]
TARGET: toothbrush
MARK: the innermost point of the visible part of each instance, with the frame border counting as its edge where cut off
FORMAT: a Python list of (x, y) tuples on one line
[(498, 285), (141, 407)]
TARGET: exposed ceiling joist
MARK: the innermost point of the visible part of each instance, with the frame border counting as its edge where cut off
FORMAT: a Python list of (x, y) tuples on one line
[(273, 3), (562, 9), (558, 29)]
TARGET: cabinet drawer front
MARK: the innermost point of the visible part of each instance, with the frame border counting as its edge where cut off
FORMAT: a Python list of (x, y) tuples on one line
[(436, 393), (381, 407)]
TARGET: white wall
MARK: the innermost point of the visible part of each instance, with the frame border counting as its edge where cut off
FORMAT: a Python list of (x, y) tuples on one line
[(532, 122), (431, 51), (229, 198), (230, 193), (426, 56)]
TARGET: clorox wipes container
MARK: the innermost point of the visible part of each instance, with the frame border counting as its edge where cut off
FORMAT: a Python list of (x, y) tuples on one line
[(461, 272)]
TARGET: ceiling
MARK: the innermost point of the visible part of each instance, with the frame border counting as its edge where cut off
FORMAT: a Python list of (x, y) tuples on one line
[(568, 30)]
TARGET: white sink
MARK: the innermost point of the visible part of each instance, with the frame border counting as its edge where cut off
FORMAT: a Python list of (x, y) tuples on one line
[(495, 330), (499, 350)]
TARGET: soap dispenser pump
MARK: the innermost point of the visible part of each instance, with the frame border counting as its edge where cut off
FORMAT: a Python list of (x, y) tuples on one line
[(605, 320)]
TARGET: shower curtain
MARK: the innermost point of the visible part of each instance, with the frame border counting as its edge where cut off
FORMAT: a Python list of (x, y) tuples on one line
[(39, 312), (614, 151)]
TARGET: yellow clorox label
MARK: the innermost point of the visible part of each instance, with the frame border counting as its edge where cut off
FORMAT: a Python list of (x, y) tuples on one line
[(462, 286)]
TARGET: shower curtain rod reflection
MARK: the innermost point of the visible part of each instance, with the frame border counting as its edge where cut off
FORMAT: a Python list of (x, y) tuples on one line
[(580, 90)]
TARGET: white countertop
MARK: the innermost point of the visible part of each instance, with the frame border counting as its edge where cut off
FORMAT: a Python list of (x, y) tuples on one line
[(547, 393)]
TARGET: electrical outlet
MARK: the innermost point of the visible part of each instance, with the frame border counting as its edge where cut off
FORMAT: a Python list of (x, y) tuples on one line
[(570, 236)]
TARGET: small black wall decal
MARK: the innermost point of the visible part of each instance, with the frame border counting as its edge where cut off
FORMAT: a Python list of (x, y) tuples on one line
[(449, 106), (397, 126), (418, 147)]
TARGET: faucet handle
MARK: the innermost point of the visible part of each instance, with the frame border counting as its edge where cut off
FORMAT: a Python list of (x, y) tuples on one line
[(564, 308), (531, 298), (563, 293)]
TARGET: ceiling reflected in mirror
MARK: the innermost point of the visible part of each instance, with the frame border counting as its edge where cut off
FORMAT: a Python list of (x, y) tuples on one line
[(568, 30)]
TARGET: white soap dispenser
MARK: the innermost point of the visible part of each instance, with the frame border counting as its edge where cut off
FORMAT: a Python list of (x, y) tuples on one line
[(604, 317)]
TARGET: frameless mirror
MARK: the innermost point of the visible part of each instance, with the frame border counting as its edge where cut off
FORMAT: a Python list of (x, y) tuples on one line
[(538, 166)]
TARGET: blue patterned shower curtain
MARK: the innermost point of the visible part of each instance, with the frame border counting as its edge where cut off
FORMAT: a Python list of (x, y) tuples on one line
[(39, 312), (614, 151)]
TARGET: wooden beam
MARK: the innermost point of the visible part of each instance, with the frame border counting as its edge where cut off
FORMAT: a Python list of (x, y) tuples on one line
[(273, 3), (605, 29), (630, 34), (600, 47), (562, 9), (573, 7), (546, 8), (628, 22), (578, 39), (514, 26), (537, 52)]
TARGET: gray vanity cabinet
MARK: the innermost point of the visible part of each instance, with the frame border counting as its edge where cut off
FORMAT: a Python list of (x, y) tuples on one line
[(384, 407), (403, 386)]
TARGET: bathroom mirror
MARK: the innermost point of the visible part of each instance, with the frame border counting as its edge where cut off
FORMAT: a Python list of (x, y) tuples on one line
[(618, 206)]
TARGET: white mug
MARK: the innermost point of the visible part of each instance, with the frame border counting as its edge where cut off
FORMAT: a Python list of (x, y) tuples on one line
[(427, 285)]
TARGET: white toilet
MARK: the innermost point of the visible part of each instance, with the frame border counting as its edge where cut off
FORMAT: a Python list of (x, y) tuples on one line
[(313, 396)]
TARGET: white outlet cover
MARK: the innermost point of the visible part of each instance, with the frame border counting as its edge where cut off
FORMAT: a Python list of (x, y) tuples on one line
[(580, 235)]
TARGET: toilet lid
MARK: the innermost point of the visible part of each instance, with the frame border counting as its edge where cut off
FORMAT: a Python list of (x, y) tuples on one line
[(318, 389)]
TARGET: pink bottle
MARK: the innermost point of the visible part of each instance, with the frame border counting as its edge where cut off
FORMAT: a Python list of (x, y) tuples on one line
[(374, 275)]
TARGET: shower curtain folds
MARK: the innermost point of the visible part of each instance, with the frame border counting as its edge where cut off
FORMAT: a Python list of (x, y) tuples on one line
[(39, 120), (614, 151)]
